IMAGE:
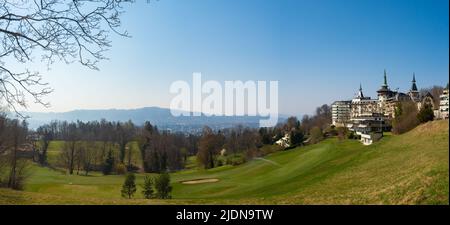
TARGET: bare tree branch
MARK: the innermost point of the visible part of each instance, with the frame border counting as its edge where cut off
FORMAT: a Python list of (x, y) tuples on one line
[(63, 30)]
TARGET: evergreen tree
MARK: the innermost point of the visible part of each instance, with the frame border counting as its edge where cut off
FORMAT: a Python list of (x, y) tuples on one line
[(162, 185), (425, 114), (296, 137), (108, 165), (163, 166), (265, 136), (154, 162), (129, 186), (148, 187)]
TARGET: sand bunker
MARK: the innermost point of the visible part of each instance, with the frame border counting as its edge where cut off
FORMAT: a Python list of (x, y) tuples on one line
[(200, 181)]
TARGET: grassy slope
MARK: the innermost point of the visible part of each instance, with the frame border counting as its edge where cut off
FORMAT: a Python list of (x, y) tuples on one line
[(408, 169)]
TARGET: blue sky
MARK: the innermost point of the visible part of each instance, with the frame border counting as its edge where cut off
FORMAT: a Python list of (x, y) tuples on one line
[(319, 51)]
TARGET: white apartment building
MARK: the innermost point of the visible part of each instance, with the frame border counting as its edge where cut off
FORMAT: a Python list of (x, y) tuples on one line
[(443, 105), (340, 113)]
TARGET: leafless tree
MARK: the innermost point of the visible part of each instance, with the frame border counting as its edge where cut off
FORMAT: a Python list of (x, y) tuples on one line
[(406, 118), (125, 133), (46, 134), (17, 167), (4, 133), (208, 147), (70, 151), (86, 156), (54, 30)]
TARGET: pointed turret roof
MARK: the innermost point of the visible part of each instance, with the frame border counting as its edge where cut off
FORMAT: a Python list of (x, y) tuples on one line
[(414, 86), (360, 93), (384, 87)]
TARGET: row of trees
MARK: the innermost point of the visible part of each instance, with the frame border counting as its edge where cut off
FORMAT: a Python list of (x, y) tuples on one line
[(157, 187), (248, 141), (106, 132), (111, 146), (243, 142), (86, 145), (311, 127), (108, 146)]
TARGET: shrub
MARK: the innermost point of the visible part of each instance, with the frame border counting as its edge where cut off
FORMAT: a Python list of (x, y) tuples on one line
[(132, 168), (425, 114), (342, 132), (22, 174), (316, 135), (251, 153), (296, 137), (2, 172), (16, 182), (228, 161), (351, 135), (121, 168), (330, 131), (236, 159)]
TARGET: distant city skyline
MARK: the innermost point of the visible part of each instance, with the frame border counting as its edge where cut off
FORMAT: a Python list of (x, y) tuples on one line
[(319, 51)]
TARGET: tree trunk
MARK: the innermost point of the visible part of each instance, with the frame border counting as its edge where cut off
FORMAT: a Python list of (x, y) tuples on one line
[(129, 157), (72, 156), (12, 175), (44, 152), (34, 152), (211, 161), (88, 166), (78, 166), (122, 151)]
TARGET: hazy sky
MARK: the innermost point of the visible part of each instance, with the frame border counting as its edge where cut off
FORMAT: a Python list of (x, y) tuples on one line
[(319, 51)]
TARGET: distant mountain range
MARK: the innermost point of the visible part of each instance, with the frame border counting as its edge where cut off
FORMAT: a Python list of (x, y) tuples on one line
[(161, 117)]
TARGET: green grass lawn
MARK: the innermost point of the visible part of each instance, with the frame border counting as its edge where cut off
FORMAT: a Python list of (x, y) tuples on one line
[(406, 169)]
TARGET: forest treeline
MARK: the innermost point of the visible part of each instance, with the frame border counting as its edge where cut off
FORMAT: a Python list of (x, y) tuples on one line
[(118, 147)]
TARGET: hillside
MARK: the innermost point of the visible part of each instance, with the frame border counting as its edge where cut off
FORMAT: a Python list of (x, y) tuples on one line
[(412, 168)]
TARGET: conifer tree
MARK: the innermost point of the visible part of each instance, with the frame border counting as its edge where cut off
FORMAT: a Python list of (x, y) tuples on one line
[(129, 186), (148, 187), (108, 164), (425, 114), (162, 185)]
